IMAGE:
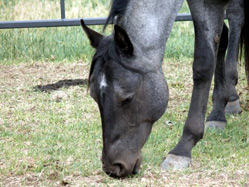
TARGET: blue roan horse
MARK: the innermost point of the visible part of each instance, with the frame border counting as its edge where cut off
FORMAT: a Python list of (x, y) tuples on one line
[(127, 82)]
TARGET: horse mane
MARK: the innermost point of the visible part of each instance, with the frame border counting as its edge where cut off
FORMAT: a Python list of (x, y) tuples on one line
[(118, 8)]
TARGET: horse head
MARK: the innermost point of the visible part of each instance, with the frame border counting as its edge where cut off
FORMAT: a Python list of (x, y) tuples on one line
[(130, 96)]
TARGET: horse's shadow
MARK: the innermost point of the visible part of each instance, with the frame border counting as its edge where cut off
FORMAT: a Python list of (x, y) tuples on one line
[(62, 83)]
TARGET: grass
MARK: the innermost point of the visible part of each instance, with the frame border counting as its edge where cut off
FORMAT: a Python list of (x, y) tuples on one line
[(50, 131), (70, 43), (51, 134)]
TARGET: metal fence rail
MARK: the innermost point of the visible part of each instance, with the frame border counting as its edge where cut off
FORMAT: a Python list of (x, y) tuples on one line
[(63, 22), (66, 22)]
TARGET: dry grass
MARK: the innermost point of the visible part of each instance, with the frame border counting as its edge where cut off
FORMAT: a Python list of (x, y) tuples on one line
[(37, 10), (26, 115), (151, 178)]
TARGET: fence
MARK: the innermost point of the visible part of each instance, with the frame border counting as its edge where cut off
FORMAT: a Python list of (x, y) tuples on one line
[(63, 22)]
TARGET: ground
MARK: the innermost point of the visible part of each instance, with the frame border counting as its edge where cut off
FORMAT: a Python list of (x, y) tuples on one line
[(50, 132)]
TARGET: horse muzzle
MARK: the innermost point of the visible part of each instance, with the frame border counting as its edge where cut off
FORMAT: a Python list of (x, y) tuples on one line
[(121, 169)]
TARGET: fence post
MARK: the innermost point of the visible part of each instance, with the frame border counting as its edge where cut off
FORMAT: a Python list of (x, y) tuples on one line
[(63, 15)]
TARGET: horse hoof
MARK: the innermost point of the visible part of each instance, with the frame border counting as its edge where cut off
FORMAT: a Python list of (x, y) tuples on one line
[(233, 107), (215, 125), (176, 162)]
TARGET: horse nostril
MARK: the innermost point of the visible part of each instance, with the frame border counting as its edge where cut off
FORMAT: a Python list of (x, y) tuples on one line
[(116, 170), (121, 170)]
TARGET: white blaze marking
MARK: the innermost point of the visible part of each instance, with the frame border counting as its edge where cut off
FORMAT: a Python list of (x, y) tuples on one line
[(103, 82)]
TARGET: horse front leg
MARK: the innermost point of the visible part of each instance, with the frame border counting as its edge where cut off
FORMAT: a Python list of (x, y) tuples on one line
[(208, 18), (235, 13)]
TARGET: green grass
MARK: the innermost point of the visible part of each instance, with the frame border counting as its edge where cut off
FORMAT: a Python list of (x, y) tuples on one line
[(68, 44), (54, 138)]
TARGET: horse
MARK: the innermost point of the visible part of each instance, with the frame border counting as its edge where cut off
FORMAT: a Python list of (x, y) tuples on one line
[(127, 82)]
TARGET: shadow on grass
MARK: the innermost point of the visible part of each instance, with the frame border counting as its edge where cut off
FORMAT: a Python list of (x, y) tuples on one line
[(62, 83)]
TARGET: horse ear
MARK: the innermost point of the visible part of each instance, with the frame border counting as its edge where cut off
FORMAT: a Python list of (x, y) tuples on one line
[(123, 41), (92, 35)]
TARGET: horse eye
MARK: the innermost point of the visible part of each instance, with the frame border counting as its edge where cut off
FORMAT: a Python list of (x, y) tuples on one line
[(127, 100)]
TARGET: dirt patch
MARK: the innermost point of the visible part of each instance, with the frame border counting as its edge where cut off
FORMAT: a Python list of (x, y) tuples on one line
[(53, 75)]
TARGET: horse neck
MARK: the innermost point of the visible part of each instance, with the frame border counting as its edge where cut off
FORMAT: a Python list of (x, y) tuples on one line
[(148, 24)]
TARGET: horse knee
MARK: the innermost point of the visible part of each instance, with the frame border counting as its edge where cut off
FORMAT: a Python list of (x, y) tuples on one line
[(203, 68)]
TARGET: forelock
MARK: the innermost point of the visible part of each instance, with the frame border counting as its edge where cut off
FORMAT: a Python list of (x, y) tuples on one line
[(105, 52)]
